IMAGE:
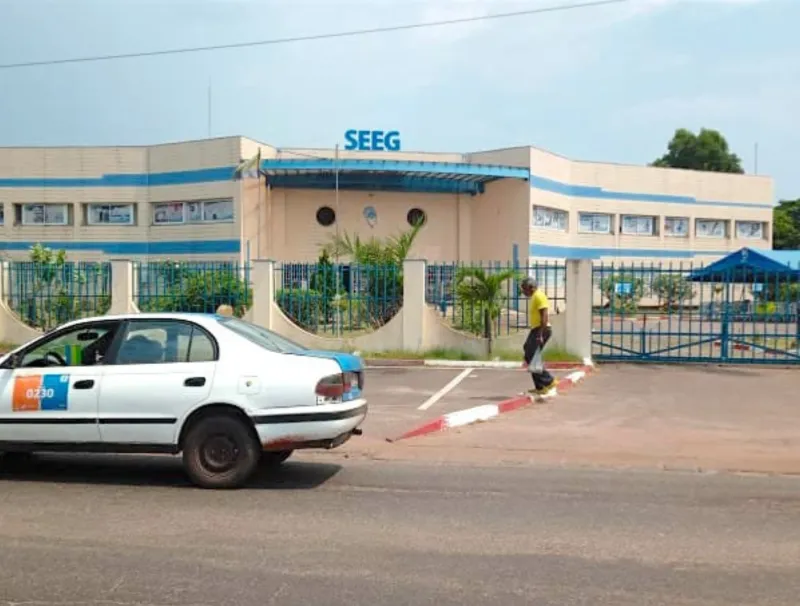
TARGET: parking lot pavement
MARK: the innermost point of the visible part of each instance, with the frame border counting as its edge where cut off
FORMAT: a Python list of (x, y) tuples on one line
[(402, 398), (673, 417)]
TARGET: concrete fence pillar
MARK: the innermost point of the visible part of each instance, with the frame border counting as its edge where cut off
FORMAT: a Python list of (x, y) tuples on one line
[(5, 281), (413, 304), (579, 308), (263, 278), (122, 287)]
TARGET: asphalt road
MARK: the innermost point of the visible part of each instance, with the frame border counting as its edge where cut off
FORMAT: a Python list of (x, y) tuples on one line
[(109, 532)]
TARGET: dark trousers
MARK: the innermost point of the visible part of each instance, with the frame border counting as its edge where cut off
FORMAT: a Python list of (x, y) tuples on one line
[(540, 379)]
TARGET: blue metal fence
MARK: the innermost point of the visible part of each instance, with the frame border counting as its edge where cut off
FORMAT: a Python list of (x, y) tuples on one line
[(448, 287), (652, 313), (195, 287), (45, 295), (339, 299)]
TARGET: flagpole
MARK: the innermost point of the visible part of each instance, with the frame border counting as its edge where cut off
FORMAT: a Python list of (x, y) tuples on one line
[(258, 179), (338, 218)]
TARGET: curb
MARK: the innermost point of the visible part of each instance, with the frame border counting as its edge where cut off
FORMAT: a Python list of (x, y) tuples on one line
[(472, 364), (486, 412)]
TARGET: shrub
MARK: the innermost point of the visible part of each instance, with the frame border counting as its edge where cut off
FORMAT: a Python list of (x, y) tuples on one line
[(303, 307), (672, 291), (623, 292)]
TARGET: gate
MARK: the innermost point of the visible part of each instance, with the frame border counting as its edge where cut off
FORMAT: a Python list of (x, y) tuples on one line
[(661, 314)]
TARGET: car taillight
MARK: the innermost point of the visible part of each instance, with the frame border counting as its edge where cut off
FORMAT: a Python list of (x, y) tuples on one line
[(334, 386)]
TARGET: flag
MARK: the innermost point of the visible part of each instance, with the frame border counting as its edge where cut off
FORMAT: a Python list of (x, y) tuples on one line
[(248, 168)]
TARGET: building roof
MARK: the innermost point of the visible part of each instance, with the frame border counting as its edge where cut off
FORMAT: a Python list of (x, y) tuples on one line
[(746, 266), (387, 175)]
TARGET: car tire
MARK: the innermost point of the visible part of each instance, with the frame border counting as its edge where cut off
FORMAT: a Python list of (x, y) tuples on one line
[(220, 451), (275, 458)]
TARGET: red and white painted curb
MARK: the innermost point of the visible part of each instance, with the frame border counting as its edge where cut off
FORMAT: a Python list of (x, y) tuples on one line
[(471, 364), (485, 412)]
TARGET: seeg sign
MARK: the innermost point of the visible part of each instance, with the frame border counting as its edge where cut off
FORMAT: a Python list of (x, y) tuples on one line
[(372, 140)]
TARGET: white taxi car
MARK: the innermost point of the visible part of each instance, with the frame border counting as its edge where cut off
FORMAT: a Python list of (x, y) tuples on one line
[(225, 393)]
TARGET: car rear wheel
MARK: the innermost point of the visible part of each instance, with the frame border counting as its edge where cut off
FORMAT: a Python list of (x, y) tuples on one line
[(220, 451), (273, 459)]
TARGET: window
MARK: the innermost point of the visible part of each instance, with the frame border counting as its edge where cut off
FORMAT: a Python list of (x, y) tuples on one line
[(711, 228), (86, 345), (42, 214), (550, 218), (261, 336), (109, 214), (677, 227), (416, 216), (199, 211), (751, 230), (326, 216), (2, 214), (638, 225), (594, 223), (165, 341)]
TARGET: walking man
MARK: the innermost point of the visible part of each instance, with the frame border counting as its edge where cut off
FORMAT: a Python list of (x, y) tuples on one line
[(539, 321)]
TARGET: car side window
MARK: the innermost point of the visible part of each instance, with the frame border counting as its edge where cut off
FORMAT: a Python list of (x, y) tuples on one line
[(165, 342), (86, 345)]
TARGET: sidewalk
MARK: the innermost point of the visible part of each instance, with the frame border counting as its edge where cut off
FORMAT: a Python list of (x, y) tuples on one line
[(668, 417)]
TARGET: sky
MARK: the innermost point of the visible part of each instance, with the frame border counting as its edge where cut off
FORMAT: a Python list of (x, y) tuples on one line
[(607, 83)]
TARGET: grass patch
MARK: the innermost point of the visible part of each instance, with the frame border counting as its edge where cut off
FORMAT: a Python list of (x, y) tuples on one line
[(551, 354)]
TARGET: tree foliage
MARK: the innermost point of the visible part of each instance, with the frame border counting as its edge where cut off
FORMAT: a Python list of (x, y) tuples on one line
[(623, 291), (480, 293), (706, 151), (786, 225), (672, 291)]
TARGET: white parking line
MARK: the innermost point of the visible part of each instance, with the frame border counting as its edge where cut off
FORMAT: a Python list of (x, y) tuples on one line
[(446, 389)]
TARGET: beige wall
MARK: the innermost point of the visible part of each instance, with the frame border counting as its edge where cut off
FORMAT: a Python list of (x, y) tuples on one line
[(716, 196), (95, 163), (281, 224)]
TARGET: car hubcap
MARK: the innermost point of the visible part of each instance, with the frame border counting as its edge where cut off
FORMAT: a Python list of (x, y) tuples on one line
[(219, 453)]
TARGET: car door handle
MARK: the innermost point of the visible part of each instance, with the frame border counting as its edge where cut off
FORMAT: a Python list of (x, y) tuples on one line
[(85, 384), (195, 382)]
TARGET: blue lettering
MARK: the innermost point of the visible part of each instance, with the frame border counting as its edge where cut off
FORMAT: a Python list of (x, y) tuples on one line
[(372, 140), (393, 141), (377, 140), (350, 138)]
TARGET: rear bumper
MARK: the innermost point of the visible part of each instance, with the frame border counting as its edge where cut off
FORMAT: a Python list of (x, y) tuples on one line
[(326, 426)]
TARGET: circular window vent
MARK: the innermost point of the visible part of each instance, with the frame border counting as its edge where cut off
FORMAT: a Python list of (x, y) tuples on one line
[(416, 216), (326, 216)]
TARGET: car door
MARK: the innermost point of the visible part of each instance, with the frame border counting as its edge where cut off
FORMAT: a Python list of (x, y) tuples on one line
[(49, 391), (160, 370)]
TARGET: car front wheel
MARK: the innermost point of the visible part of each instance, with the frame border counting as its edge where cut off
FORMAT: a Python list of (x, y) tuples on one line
[(220, 452)]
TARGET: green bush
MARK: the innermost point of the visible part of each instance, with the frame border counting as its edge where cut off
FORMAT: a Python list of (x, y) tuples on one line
[(303, 307), (672, 291), (193, 290)]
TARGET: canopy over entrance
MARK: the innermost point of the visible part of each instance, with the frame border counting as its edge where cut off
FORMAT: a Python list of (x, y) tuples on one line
[(387, 175), (747, 266)]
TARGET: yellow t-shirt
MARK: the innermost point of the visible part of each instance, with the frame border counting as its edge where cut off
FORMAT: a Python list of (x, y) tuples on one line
[(537, 303)]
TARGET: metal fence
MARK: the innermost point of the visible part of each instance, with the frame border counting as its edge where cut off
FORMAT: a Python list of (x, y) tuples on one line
[(463, 293), (336, 299), (659, 314), (194, 287), (45, 295)]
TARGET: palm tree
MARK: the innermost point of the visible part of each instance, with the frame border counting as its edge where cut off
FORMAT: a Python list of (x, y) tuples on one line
[(483, 290), (382, 262)]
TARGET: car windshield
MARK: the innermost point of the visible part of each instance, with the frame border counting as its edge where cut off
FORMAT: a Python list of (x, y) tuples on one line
[(261, 336)]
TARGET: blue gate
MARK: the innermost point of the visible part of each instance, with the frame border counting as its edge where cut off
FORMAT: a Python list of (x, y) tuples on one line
[(661, 314)]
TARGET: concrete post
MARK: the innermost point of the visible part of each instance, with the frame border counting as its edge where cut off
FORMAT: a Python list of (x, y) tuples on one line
[(5, 281), (121, 287), (413, 304), (263, 277), (579, 290)]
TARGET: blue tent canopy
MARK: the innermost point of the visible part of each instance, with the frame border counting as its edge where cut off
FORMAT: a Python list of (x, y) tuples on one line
[(746, 266)]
